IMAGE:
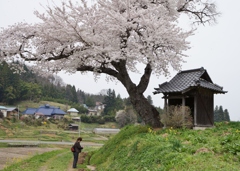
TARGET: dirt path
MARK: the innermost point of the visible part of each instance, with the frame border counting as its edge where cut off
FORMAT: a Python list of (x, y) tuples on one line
[(45, 166), (81, 160)]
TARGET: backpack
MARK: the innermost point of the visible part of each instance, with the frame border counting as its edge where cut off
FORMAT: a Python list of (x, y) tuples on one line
[(72, 149)]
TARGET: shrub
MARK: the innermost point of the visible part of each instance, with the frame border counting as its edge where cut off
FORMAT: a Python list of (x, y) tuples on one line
[(177, 117), (126, 117)]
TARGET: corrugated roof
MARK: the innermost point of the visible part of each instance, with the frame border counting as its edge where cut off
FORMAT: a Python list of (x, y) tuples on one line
[(188, 79), (73, 110), (3, 108), (12, 108)]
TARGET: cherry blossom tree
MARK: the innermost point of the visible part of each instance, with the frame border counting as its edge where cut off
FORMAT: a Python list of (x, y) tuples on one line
[(109, 37)]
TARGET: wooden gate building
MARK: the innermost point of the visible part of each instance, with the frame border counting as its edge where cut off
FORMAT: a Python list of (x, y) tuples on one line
[(195, 89)]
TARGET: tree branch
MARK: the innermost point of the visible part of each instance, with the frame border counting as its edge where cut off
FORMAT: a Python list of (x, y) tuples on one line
[(207, 13), (143, 84), (105, 70)]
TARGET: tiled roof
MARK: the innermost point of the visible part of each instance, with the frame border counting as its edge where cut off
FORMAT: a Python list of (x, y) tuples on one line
[(188, 79), (58, 111), (45, 110), (29, 111)]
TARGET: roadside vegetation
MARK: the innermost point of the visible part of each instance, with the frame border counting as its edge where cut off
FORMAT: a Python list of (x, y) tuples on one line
[(142, 148), (137, 148)]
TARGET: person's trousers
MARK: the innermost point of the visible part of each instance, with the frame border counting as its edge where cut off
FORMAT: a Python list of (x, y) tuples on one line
[(75, 159)]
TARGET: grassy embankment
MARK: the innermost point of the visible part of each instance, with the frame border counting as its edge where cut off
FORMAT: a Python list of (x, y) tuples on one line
[(138, 148)]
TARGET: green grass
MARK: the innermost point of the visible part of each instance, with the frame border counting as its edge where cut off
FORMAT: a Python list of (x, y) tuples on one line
[(3, 145), (38, 161), (57, 160), (141, 148), (24, 104)]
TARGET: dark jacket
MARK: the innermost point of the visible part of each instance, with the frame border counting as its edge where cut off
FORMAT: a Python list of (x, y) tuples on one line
[(78, 147)]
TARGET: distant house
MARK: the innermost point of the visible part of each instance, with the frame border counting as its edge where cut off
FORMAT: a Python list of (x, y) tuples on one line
[(3, 109), (76, 118), (72, 112), (93, 112), (46, 111), (12, 111), (97, 110), (195, 89), (99, 106), (85, 106), (9, 111), (73, 126)]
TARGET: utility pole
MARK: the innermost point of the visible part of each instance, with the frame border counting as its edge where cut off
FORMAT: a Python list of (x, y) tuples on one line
[(79, 124)]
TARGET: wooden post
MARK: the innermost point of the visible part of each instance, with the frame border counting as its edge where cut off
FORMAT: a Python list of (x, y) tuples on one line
[(195, 110), (183, 108), (166, 104)]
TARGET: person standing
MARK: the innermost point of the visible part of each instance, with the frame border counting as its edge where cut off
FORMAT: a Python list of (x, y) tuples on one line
[(78, 148)]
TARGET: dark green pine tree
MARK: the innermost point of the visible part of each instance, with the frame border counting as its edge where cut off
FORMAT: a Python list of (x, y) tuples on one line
[(221, 115), (9, 84), (74, 95), (1, 82), (216, 114), (226, 115), (68, 92), (109, 102), (149, 99), (119, 103), (90, 102), (81, 96)]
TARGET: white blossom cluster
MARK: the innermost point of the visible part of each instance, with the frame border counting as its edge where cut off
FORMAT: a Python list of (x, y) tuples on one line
[(89, 38)]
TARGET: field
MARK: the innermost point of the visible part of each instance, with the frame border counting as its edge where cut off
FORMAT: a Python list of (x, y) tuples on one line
[(42, 156), (9, 156)]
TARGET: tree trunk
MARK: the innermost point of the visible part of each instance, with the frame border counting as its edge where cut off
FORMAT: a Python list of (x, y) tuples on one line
[(148, 112)]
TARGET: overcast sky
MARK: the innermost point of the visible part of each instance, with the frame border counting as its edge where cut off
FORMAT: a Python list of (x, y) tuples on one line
[(216, 48)]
